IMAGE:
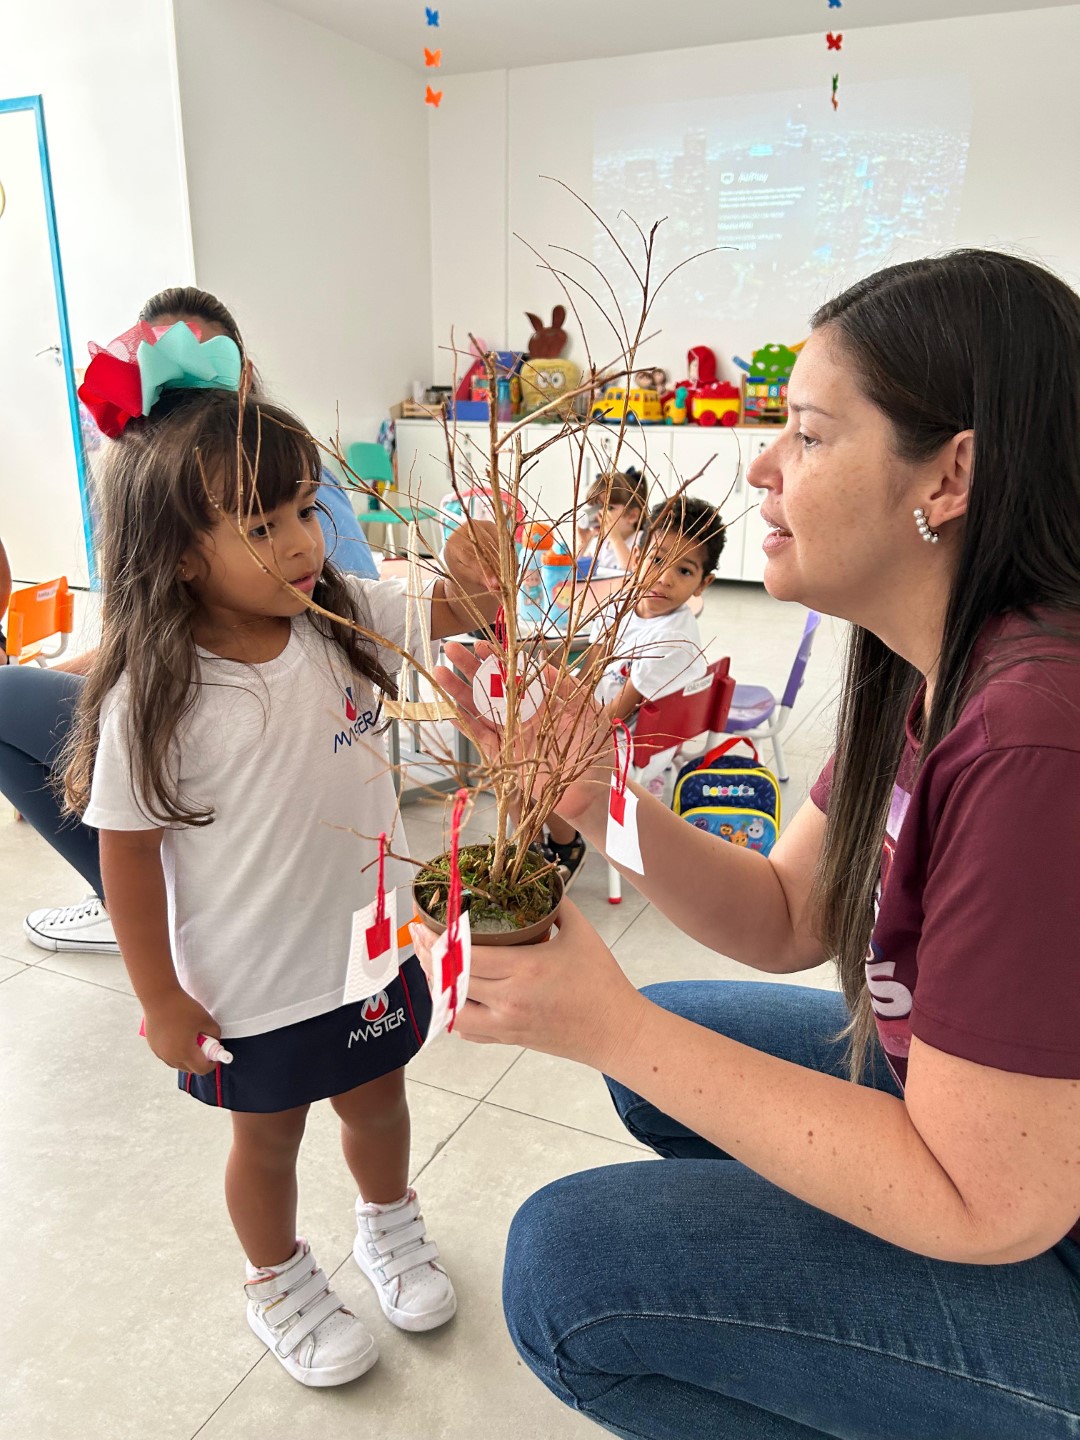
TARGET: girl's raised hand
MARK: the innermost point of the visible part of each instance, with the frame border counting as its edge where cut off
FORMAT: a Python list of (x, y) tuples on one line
[(566, 997), (173, 1025), (569, 734)]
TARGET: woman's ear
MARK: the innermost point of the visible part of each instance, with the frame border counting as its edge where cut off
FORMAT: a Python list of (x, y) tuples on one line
[(951, 474)]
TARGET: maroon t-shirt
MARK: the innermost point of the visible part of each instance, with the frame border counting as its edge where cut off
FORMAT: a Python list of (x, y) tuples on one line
[(976, 940)]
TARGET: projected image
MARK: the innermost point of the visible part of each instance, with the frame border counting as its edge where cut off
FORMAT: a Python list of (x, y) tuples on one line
[(810, 200)]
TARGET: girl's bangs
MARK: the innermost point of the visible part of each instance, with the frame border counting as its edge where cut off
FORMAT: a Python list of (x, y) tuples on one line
[(275, 457)]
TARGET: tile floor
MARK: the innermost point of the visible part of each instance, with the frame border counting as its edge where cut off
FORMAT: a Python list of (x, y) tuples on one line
[(127, 1321)]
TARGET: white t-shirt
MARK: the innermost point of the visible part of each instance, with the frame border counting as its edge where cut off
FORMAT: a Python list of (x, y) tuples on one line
[(657, 655), (288, 755), (606, 558)]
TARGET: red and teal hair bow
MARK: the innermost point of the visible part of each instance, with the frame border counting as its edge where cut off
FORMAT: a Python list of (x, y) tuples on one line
[(125, 378)]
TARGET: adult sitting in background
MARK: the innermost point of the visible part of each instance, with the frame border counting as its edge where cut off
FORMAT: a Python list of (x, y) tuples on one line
[(36, 705)]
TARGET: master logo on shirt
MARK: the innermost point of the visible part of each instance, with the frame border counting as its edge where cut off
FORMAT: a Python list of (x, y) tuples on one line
[(357, 721)]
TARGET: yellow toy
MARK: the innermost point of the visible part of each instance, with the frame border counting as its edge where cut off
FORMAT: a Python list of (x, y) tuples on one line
[(641, 405), (543, 380)]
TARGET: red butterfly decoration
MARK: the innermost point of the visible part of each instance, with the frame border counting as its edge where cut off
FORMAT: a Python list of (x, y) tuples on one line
[(433, 97), (432, 57), (835, 42)]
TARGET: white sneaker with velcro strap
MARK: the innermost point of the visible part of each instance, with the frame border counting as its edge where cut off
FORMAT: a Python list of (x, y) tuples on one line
[(300, 1320), (394, 1252)]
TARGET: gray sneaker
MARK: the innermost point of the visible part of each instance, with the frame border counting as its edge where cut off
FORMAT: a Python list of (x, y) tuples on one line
[(85, 927)]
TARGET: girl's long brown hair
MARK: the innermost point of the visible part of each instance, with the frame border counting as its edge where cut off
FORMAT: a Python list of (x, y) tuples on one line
[(158, 490), (973, 340)]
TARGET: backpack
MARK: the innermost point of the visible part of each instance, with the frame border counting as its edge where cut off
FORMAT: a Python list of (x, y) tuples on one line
[(731, 796)]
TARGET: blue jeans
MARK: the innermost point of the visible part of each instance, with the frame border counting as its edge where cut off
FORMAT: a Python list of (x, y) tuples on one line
[(35, 715), (694, 1299)]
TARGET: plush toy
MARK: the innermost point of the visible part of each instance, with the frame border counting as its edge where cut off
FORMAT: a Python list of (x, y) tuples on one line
[(547, 342), (544, 380)]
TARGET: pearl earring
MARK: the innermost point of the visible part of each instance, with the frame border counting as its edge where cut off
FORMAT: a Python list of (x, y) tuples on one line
[(931, 536)]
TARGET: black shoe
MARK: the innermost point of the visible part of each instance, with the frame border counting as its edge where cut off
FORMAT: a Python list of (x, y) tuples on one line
[(569, 857)]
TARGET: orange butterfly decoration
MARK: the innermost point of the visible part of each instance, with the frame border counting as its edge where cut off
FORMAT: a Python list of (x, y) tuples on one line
[(432, 58), (433, 97)]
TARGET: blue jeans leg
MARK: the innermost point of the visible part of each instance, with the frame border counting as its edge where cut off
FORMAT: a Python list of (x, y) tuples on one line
[(691, 1298), (35, 716)]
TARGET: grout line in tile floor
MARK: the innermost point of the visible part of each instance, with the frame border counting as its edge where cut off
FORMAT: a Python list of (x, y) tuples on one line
[(22, 966), (37, 968), (577, 1129), (226, 1398)]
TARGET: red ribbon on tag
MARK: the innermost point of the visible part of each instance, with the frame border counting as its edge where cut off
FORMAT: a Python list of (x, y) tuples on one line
[(500, 641), (378, 935), (454, 962), (617, 797)]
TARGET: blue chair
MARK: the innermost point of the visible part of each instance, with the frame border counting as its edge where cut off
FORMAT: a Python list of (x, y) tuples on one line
[(754, 710)]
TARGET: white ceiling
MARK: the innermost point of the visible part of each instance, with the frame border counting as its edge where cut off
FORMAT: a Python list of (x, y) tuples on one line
[(507, 34)]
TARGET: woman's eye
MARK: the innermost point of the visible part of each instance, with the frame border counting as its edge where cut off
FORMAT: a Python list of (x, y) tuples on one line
[(808, 441)]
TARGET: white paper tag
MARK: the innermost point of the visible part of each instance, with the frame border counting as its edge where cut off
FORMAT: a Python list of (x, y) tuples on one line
[(373, 951), (446, 997), (622, 845), (489, 694)]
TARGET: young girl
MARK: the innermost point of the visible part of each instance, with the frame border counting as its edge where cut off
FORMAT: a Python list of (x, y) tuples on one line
[(614, 508), (658, 649), (227, 748)]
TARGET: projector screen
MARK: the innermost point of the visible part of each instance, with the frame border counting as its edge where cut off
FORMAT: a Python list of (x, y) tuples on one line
[(808, 200)]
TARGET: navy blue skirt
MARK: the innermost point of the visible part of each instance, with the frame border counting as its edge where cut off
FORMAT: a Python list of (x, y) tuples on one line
[(326, 1055)]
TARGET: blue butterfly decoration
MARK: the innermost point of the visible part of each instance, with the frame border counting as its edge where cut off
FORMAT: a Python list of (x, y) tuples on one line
[(433, 15)]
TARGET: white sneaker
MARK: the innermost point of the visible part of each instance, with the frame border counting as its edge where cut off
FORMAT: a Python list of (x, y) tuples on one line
[(393, 1251), (300, 1320), (72, 927)]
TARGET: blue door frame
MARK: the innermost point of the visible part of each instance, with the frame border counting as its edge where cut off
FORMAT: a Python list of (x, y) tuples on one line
[(34, 103)]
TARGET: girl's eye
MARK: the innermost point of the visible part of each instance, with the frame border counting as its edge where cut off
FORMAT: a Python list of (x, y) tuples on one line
[(258, 532), (307, 512)]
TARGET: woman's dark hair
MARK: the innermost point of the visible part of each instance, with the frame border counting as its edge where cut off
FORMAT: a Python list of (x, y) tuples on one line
[(201, 455), (696, 521), (196, 304), (981, 341)]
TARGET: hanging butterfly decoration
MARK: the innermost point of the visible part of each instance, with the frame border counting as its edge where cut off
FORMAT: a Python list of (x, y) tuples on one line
[(432, 60), (835, 42)]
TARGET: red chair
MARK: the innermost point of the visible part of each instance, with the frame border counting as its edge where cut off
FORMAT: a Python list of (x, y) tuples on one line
[(697, 713)]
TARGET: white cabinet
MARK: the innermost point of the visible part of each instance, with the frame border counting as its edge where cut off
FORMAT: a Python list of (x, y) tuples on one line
[(709, 458), (755, 529), (714, 460)]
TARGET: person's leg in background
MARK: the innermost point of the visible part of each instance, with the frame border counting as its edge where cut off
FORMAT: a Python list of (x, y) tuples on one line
[(691, 1297), (35, 714)]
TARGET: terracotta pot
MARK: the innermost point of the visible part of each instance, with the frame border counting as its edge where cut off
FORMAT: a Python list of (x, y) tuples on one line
[(532, 934)]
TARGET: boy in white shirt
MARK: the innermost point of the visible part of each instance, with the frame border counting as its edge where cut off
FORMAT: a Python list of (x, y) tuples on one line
[(658, 647)]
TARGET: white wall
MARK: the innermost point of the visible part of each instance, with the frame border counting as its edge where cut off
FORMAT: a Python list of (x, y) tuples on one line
[(108, 78), (308, 181), (1019, 190)]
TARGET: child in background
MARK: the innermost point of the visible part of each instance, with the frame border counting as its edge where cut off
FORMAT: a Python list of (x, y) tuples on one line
[(614, 508), (226, 743), (658, 647)]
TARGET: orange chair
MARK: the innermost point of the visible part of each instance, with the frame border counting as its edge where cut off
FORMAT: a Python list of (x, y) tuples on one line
[(700, 710), (34, 616)]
